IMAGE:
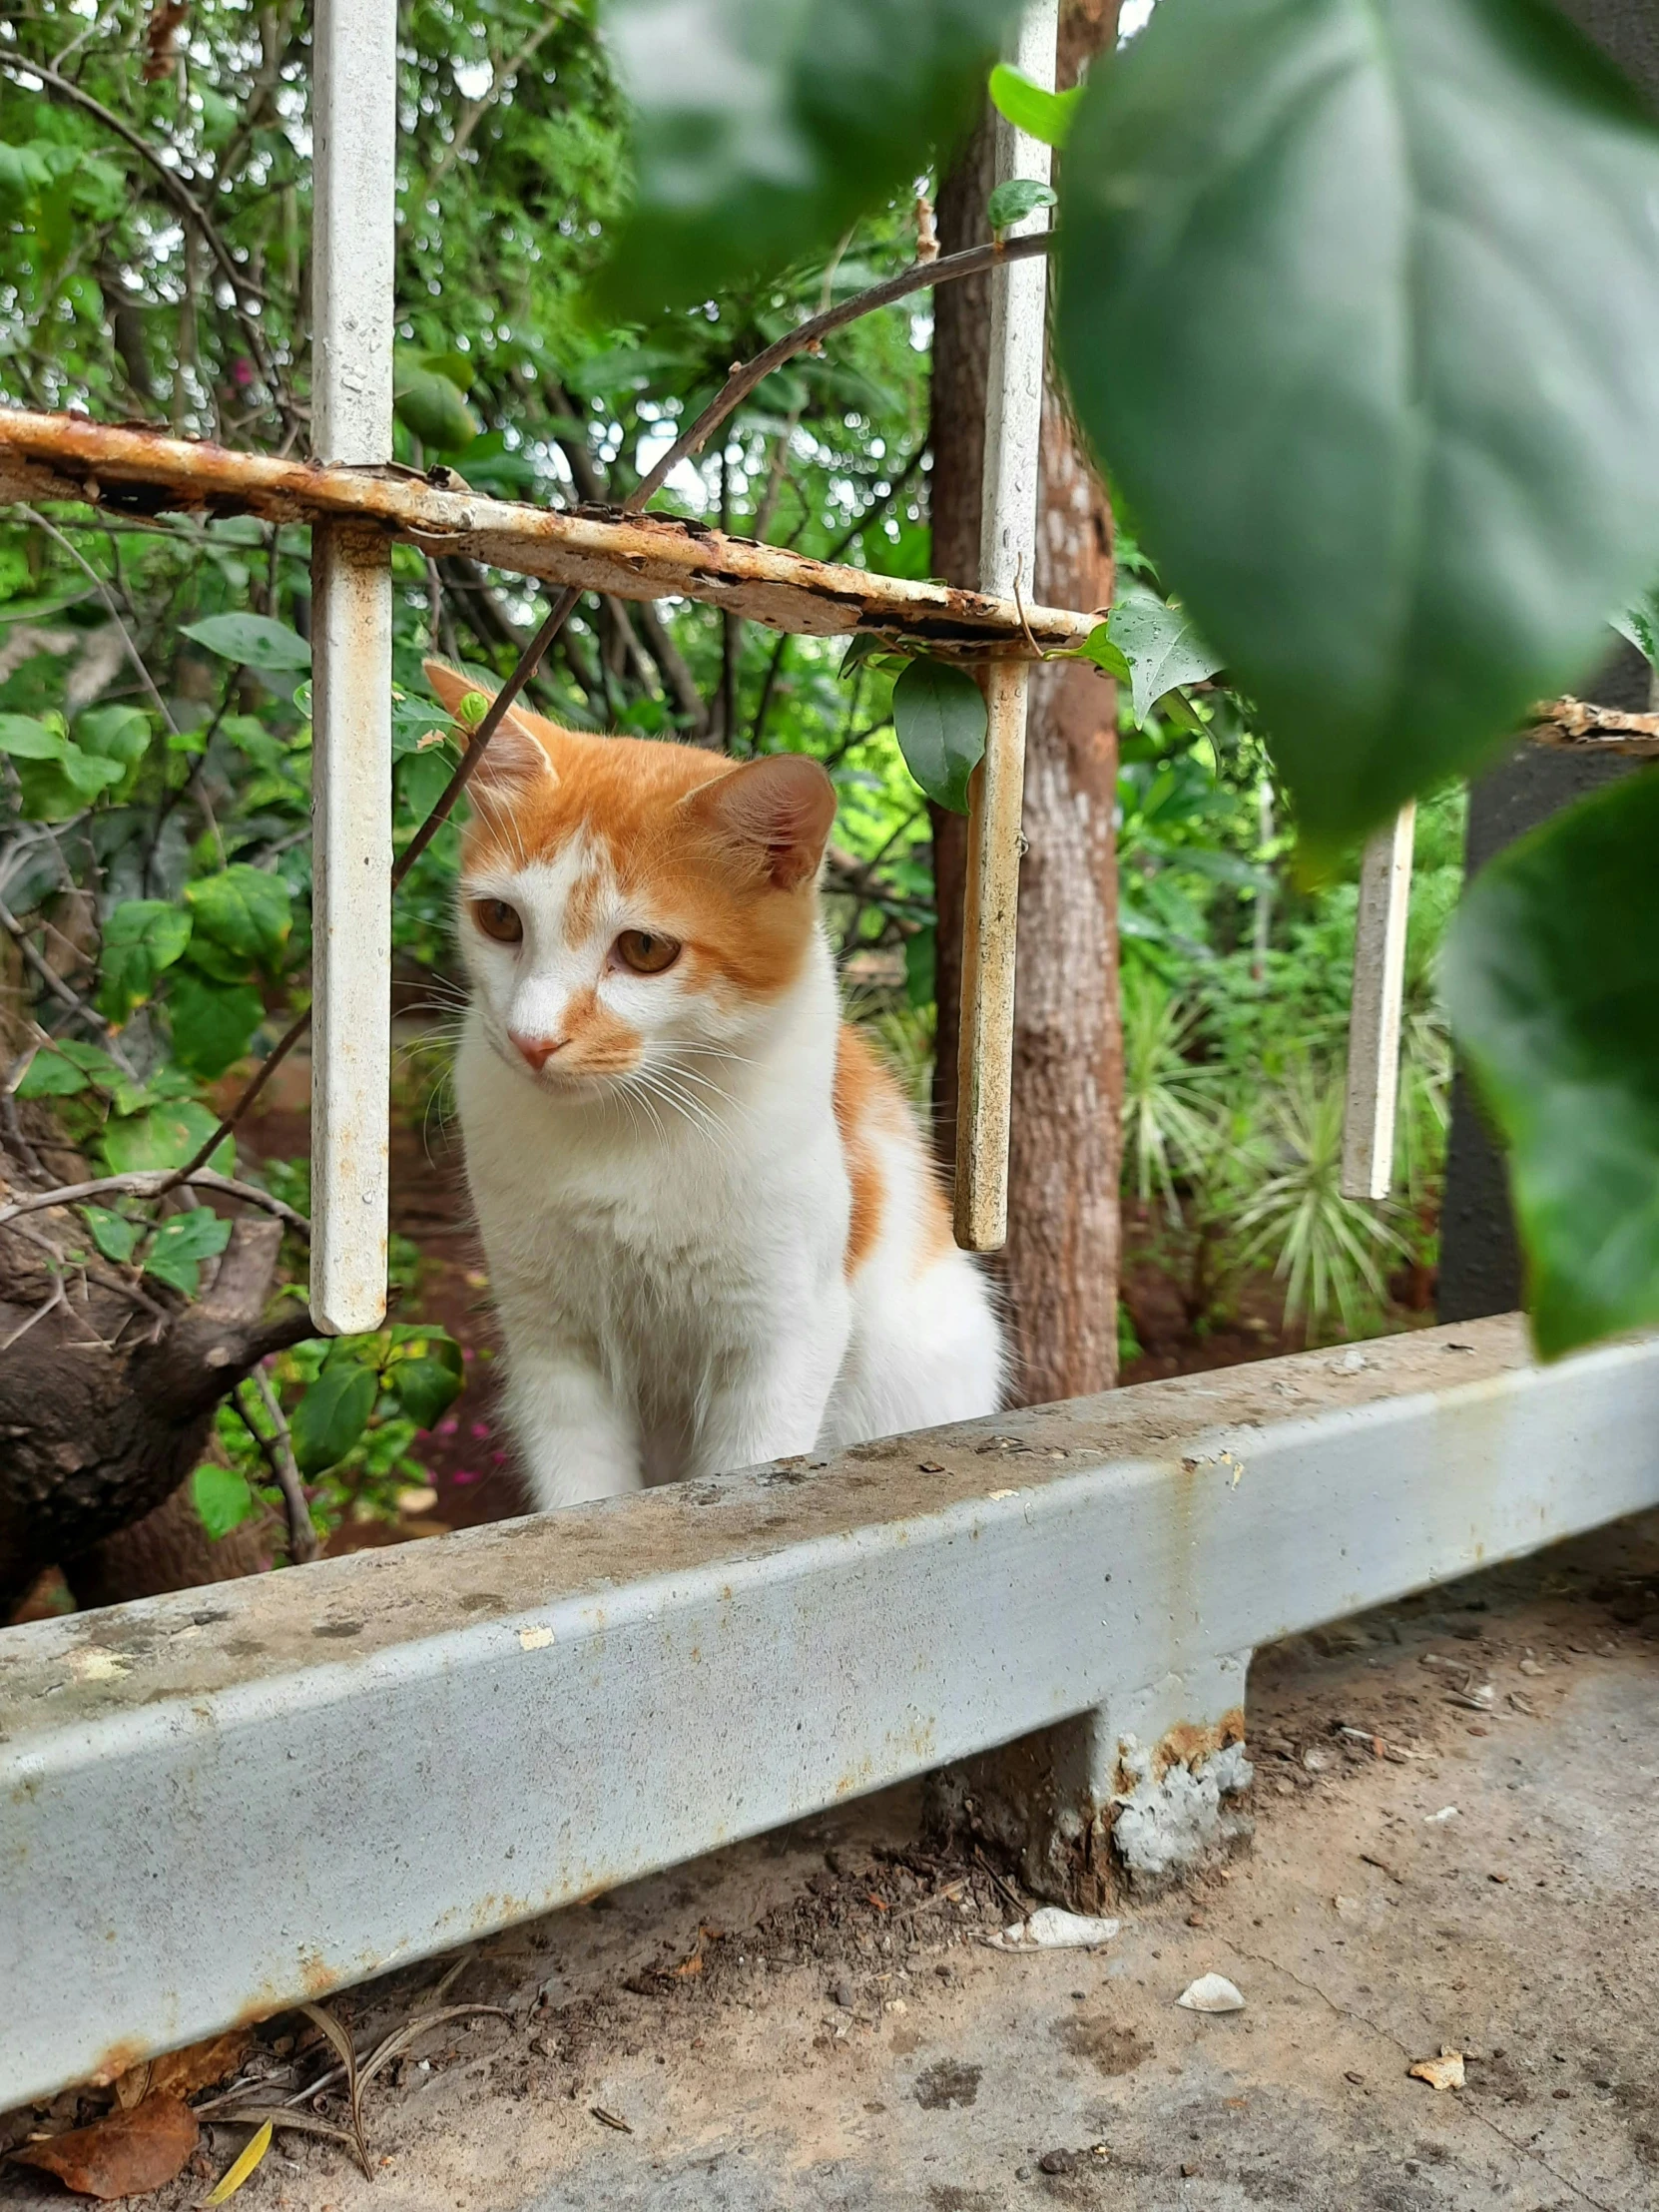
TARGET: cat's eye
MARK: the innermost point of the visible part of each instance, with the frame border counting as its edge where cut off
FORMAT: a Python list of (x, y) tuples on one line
[(498, 921), (645, 953)]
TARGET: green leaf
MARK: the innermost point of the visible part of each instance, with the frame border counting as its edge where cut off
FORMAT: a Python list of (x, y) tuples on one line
[(331, 1415), (252, 641), (1640, 624), (120, 734), (1327, 275), (1160, 645), (1099, 648), (1046, 115), (140, 938), (245, 909), (427, 1389), (163, 1136), (181, 1243), (1552, 973), (62, 1068), (213, 1022), (115, 1236), (25, 738), (762, 130), (939, 712), (435, 409), (1014, 200), (221, 1498)]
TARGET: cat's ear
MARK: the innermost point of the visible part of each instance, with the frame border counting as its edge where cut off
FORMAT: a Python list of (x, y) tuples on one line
[(520, 751), (777, 811)]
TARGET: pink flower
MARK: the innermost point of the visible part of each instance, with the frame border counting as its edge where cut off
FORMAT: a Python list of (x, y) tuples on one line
[(464, 1475), (481, 1429), (449, 1425)]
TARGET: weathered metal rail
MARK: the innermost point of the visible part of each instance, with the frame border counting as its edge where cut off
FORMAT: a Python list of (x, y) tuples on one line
[(217, 1802), (134, 470)]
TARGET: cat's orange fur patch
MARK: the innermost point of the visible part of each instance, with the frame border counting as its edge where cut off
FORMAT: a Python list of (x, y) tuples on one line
[(698, 883), (861, 1082)]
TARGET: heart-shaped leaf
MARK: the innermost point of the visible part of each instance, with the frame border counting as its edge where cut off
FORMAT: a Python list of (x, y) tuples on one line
[(245, 909), (252, 641), (939, 714), (1357, 300), (181, 1243), (763, 128), (1016, 199), (1552, 977), (1161, 647), (331, 1415), (140, 938)]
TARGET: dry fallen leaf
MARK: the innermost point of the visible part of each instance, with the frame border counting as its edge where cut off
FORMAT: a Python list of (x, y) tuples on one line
[(180, 2074), (124, 2154), (238, 2173), (1445, 2072)]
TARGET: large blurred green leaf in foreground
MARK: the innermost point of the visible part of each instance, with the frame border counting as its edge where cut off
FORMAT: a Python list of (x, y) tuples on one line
[(1359, 301), (764, 127), (1552, 977)]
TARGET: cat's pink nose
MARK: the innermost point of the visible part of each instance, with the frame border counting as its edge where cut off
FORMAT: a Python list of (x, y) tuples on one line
[(537, 1051)]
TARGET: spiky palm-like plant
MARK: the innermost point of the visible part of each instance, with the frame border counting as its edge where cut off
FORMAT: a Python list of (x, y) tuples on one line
[(1329, 1250)]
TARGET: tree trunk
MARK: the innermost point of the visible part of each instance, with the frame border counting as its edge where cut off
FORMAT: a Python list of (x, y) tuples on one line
[(107, 1384), (1061, 1264)]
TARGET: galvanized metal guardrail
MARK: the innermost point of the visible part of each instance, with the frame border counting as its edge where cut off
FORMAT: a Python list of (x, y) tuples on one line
[(215, 1803)]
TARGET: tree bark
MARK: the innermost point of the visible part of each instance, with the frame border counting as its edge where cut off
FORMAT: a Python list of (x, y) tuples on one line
[(1060, 1270)]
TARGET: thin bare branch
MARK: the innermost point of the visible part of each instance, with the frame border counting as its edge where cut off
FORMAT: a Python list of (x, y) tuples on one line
[(919, 277), (174, 188), (103, 590), (279, 1452), (62, 992), (156, 1183)]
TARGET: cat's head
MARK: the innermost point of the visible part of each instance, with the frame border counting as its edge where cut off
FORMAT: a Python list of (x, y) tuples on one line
[(626, 904)]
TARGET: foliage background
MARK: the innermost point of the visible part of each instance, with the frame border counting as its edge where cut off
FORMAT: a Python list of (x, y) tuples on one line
[(153, 738)]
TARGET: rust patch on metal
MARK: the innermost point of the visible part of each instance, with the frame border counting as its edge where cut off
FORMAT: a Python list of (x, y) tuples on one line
[(141, 471), (118, 2059)]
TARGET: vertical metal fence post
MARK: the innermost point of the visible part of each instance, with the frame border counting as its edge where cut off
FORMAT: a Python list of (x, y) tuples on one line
[(1375, 1009), (1007, 559), (353, 125)]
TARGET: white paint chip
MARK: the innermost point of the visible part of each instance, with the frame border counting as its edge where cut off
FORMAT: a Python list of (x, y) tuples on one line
[(1052, 1930), (1211, 1992), (1447, 1812), (534, 1639)]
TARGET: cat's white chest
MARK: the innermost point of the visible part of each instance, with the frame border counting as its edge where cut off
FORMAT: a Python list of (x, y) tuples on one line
[(661, 1262)]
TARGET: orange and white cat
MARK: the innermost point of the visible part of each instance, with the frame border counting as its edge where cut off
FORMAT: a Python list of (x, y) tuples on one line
[(713, 1229)]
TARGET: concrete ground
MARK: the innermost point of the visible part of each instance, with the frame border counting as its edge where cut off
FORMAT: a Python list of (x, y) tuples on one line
[(1455, 1812)]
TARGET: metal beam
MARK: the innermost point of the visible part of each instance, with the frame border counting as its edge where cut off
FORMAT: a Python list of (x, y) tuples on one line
[(1007, 566), (123, 470), (1375, 1009), (354, 242), (215, 1803)]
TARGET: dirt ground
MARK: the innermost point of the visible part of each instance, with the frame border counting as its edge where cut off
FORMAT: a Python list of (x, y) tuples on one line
[(1454, 1846)]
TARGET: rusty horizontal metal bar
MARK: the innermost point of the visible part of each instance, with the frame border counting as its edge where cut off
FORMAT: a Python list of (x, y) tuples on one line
[(121, 467), (220, 1801)]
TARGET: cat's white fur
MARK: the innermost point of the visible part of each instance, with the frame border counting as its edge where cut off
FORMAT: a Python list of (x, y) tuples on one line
[(667, 1253)]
